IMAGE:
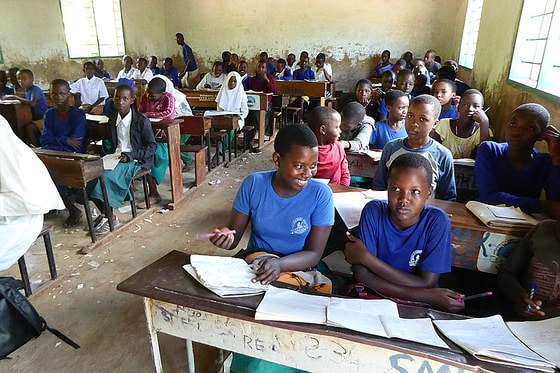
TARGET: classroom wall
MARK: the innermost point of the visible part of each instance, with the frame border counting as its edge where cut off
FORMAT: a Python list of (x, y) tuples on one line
[(496, 40), (351, 33)]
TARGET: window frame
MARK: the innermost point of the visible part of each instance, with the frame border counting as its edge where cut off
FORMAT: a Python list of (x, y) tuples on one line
[(467, 25)]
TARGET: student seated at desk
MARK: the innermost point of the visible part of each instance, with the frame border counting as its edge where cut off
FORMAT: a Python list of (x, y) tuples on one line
[(243, 67), (170, 71), (356, 127), (444, 90), (227, 62), (27, 192), (270, 68), (264, 82), (533, 263), (332, 164), (514, 173), (384, 65), (35, 98), (401, 245), (91, 90), (157, 103), (12, 79), (153, 65), (65, 129), (323, 70), (128, 72), (131, 137), (400, 65), (463, 134), (363, 93), (405, 83), (143, 72), (420, 69), (283, 71), (431, 64), (420, 120), (420, 86), (304, 72), (407, 56), (100, 71), (212, 80), (291, 61), (4, 89), (393, 127), (291, 217)]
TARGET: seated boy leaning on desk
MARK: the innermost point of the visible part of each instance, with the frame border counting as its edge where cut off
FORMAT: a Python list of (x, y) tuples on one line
[(402, 246)]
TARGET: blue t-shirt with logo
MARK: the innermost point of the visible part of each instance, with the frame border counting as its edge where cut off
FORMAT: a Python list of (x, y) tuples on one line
[(282, 224), (424, 246)]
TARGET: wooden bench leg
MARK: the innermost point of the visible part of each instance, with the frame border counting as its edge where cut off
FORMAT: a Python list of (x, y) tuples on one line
[(133, 200), (228, 140), (24, 276), (235, 133), (146, 193), (208, 154), (88, 216), (50, 255), (199, 168)]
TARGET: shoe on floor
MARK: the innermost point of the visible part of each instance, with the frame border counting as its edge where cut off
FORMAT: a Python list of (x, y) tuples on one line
[(104, 228)]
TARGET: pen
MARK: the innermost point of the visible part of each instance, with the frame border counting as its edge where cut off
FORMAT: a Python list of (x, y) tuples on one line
[(531, 295), (485, 294), (485, 110), (210, 234)]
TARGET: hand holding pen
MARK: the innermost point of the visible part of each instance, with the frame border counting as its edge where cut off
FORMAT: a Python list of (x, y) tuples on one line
[(533, 308)]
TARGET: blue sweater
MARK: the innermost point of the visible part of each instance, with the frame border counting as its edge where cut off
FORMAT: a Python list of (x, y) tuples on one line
[(498, 182), (56, 130)]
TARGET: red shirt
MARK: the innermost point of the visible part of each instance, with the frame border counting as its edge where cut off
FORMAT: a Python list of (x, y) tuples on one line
[(163, 108), (333, 164)]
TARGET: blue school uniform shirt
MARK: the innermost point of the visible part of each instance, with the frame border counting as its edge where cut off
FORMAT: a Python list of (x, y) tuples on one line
[(440, 159), (188, 58), (271, 69), (57, 130), (382, 134), (155, 70), (498, 182), (383, 108), (424, 246), (38, 111), (451, 113), (282, 224), (172, 74), (307, 74), (286, 74)]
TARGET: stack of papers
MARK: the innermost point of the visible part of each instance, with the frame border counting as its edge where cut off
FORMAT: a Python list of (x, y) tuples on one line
[(501, 216), (218, 113), (373, 154), (542, 336), (489, 339), (349, 205), (376, 317), (110, 161), (224, 276)]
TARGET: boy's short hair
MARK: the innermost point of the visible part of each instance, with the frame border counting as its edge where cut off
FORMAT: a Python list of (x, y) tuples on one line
[(390, 73), (472, 91), (217, 63), (404, 74), (431, 51), (353, 112), (448, 82), (61, 82), (179, 34), (319, 116), (321, 56), (303, 54), (157, 85), (282, 61), (421, 79), (446, 72), (401, 62), (243, 61), (27, 72), (168, 59), (143, 59), (392, 96), (429, 100), (542, 116), (88, 63), (129, 89), (225, 53), (452, 63), (294, 134), (386, 51), (415, 161), (361, 82), (125, 57)]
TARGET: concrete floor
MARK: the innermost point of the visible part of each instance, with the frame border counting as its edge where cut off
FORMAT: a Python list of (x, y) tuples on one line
[(83, 302)]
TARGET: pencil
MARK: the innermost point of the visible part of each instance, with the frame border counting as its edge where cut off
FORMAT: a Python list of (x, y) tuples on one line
[(485, 294), (210, 234)]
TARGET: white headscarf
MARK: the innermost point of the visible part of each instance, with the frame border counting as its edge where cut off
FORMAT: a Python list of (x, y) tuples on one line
[(231, 99), (182, 107), (26, 188)]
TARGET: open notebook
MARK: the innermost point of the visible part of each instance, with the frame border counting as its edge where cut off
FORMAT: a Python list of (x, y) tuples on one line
[(224, 276), (501, 216), (489, 339), (541, 336), (377, 317), (349, 205)]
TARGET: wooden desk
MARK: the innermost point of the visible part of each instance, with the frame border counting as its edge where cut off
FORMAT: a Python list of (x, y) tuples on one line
[(361, 164), (75, 170), (201, 98), (175, 304), (303, 88), (200, 127), (474, 246), (17, 114), (229, 123)]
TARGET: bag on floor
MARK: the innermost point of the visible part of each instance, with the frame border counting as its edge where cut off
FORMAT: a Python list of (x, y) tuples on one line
[(19, 321)]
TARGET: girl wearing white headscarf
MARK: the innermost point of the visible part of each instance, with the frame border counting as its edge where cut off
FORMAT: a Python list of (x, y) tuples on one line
[(232, 97), (26, 193)]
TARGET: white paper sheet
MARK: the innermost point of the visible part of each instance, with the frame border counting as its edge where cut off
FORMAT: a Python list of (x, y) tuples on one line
[(349, 205), (288, 305), (541, 336), (415, 330), (110, 161), (97, 118)]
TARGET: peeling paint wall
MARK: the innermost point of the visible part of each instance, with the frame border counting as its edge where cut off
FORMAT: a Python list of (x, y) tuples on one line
[(496, 40), (352, 33)]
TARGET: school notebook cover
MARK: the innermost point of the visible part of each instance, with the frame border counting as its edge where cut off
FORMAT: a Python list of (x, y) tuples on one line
[(501, 216)]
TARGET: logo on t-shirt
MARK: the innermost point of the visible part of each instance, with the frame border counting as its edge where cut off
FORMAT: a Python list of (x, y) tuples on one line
[(414, 258), (299, 226)]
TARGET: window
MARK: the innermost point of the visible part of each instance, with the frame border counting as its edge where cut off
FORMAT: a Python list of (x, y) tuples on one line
[(470, 33), (93, 28), (535, 61)]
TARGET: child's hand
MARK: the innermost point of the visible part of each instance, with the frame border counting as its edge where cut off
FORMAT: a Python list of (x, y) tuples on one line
[(377, 95), (354, 250), (529, 308), (268, 271), (480, 117), (74, 142), (445, 299), (455, 100), (124, 158), (221, 240), (552, 137)]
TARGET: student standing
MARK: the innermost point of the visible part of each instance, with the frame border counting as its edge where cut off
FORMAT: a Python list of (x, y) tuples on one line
[(90, 89), (189, 75)]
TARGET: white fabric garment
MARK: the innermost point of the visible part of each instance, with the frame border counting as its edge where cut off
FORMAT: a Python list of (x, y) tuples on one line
[(90, 89), (321, 76), (123, 133), (130, 74), (147, 75), (215, 82), (182, 107), (17, 234), (26, 187), (233, 100)]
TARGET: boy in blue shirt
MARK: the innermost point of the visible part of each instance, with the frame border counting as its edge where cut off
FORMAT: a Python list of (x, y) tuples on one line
[(405, 83), (420, 120), (393, 127), (402, 245), (444, 90), (304, 72)]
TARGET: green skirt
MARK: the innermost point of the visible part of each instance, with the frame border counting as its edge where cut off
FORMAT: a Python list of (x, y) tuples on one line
[(117, 182), (186, 157), (161, 162), (243, 363)]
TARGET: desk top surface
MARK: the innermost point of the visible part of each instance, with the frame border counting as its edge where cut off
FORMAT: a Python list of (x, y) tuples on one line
[(165, 280), (61, 154)]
